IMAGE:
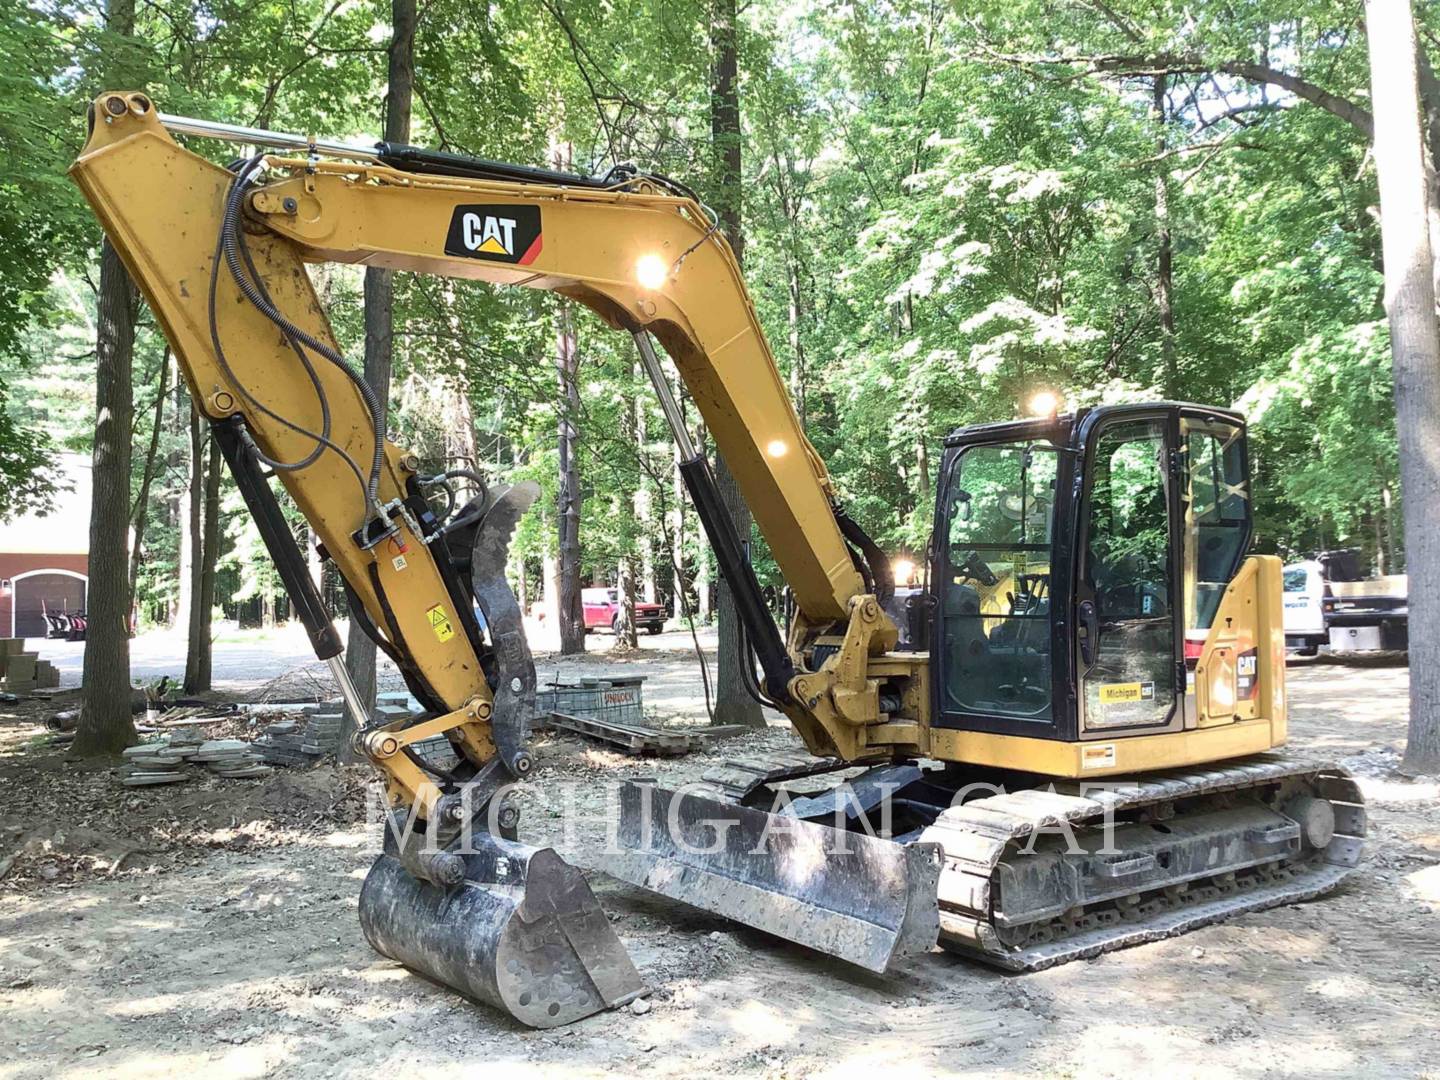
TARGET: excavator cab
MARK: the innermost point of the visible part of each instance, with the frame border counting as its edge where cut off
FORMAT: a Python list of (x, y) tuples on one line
[(1079, 560)]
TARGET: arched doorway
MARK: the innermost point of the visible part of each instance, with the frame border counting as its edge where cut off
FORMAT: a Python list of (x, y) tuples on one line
[(39, 591)]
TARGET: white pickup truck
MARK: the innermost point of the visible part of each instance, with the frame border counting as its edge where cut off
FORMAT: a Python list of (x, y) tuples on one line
[(1328, 604)]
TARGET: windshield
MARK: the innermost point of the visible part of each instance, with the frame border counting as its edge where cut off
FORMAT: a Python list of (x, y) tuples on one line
[(996, 599), (1003, 495)]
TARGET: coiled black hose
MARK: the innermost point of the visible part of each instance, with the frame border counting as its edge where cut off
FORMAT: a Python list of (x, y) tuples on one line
[(231, 245), (456, 474), (322, 439)]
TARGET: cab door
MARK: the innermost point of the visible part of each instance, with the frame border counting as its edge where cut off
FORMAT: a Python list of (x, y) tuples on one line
[(1129, 629), (994, 547)]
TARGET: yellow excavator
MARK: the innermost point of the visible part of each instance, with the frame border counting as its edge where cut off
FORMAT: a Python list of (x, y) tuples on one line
[(1065, 742)]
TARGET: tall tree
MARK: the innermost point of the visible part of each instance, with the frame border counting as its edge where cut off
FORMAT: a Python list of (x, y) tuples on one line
[(1415, 350), (205, 554), (105, 725), (733, 704), (140, 515), (1164, 258), (380, 299), (570, 614)]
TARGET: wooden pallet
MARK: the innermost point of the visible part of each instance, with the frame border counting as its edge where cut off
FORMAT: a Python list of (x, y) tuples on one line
[(640, 738)]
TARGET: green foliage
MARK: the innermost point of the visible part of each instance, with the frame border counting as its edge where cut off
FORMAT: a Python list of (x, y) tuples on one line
[(945, 212)]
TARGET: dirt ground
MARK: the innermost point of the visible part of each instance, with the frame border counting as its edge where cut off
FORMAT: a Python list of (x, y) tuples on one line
[(210, 929)]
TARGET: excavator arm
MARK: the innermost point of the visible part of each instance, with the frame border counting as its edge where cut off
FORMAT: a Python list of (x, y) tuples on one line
[(220, 254)]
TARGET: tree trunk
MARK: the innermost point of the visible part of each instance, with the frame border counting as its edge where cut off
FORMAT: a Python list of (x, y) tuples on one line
[(680, 606), (550, 592), (794, 315), (380, 318), (198, 662), (105, 726), (188, 527), (1386, 500), (1164, 273), (625, 636), (570, 616), (1430, 135), (140, 515), (313, 563), (643, 503), (1415, 351), (733, 704), (194, 541), (177, 506), (703, 607)]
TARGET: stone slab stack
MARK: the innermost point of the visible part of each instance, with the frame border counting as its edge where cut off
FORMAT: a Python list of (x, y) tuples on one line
[(305, 741), (183, 754), (21, 671)]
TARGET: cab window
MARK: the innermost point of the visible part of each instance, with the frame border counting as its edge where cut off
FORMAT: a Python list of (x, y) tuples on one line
[(1217, 516), (995, 596), (1130, 681)]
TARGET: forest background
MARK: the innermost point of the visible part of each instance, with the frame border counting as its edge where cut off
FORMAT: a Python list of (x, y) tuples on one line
[(942, 210)]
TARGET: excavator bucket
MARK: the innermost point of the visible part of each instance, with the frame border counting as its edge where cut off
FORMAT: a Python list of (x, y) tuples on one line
[(519, 929), (522, 932), (866, 900)]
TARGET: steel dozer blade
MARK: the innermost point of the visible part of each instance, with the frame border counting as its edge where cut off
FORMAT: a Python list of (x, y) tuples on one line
[(857, 897), (521, 931)]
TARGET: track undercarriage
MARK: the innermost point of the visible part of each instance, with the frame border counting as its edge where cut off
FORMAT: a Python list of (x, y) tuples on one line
[(1020, 871)]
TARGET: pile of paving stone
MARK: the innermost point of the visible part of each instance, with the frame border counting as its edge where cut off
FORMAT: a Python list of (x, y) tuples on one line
[(315, 734), (184, 754), (304, 741), (22, 672)]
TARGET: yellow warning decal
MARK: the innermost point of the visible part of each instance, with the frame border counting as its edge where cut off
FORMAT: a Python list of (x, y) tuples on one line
[(1121, 692), (440, 623)]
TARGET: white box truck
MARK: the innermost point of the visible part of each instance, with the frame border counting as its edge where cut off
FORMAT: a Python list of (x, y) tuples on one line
[(1330, 604)]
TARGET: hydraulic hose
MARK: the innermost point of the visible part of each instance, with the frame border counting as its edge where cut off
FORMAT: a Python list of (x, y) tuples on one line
[(231, 245), (321, 439)]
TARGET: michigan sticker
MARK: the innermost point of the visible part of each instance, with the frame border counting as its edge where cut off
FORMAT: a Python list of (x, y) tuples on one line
[(1119, 693), (440, 623)]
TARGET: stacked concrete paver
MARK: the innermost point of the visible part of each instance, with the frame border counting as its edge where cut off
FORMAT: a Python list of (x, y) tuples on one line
[(21, 671)]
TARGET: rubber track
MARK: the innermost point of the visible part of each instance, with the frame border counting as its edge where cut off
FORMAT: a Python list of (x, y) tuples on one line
[(974, 838)]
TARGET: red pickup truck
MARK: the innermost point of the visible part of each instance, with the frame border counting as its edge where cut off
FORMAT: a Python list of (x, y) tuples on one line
[(602, 611)]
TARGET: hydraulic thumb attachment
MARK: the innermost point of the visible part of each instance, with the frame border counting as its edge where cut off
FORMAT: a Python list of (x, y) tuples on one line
[(511, 925)]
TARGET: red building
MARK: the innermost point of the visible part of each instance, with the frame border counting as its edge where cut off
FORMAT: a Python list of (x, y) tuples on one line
[(45, 561)]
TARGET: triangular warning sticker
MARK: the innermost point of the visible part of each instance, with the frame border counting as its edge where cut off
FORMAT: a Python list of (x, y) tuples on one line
[(493, 246)]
